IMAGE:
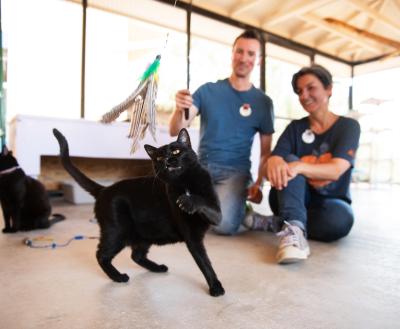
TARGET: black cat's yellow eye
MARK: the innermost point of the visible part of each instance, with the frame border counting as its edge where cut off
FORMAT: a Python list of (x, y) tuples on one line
[(159, 158), (176, 151)]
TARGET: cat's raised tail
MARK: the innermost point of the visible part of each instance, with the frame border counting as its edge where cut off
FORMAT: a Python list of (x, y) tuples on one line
[(86, 183)]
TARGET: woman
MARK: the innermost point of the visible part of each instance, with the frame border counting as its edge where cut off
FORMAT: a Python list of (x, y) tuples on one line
[(310, 169)]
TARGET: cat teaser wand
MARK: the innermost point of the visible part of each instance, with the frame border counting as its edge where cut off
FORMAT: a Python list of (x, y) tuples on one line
[(141, 104)]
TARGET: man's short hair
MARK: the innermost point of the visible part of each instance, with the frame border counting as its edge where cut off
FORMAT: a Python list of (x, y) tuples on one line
[(320, 72), (249, 34)]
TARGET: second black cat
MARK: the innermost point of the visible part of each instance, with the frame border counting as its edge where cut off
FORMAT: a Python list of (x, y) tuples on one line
[(176, 205), (24, 200)]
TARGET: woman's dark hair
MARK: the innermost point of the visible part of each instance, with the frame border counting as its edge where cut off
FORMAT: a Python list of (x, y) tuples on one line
[(318, 71), (249, 34)]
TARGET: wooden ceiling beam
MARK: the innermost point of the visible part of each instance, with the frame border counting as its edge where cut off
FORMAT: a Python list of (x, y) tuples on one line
[(381, 6), (300, 29), (363, 33), (320, 42), (375, 14), (342, 32), (376, 4), (241, 6), (347, 47), (300, 8), (397, 4), (357, 55)]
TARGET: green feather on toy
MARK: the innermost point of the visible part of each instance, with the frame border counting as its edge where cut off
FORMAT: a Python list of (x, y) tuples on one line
[(152, 69)]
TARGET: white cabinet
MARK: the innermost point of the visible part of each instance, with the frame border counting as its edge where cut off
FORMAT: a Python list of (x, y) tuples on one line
[(32, 137)]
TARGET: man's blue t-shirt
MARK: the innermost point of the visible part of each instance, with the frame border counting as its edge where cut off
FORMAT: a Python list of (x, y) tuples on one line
[(339, 141), (226, 132)]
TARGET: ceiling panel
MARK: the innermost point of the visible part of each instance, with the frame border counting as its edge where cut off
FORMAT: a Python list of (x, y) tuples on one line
[(352, 30)]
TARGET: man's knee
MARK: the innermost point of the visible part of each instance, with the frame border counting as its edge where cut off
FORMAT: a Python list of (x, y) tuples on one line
[(225, 229)]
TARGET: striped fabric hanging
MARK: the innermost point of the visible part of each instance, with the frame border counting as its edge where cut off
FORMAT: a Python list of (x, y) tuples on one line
[(141, 104)]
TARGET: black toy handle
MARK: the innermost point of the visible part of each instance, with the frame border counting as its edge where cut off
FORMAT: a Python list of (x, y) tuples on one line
[(186, 114)]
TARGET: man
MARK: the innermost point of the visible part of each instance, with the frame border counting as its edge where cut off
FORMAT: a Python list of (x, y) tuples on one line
[(231, 112)]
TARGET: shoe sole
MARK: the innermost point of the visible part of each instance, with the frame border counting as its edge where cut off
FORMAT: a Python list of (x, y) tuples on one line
[(289, 255)]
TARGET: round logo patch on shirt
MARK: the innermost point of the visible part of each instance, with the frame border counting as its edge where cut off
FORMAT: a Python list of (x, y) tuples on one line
[(245, 110), (308, 136)]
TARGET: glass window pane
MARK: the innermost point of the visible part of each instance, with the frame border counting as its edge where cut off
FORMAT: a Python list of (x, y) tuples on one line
[(150, 11), (119, 49), (376, 108), (211, 51), (44, 57), (279, 88), (286, 105), (281, 64), (337, 69), (287, 55), (209, 61)]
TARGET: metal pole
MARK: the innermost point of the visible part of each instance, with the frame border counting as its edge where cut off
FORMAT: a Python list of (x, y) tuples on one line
[(351, 89), (262, 63), (188, 33), (84, 7), (2, 100)]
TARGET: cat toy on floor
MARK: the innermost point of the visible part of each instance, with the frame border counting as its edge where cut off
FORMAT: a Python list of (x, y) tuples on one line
[(141, 104), (49, 242)]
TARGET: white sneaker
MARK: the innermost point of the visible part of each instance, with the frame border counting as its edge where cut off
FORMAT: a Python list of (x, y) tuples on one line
[(293, 246)]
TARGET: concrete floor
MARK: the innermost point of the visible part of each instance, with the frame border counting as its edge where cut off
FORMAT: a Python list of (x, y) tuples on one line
[(353, 283)]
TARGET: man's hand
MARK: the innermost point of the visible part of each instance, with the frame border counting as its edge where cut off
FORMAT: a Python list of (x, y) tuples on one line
[(254, 193), (184, 113), (183, 99)]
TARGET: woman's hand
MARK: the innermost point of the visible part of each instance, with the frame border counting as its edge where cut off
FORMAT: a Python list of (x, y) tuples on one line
[(278, 172), (294, 168)]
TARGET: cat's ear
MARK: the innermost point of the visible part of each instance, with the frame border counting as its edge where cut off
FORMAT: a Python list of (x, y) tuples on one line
[(150, 150), (184, 138), (5, 150)]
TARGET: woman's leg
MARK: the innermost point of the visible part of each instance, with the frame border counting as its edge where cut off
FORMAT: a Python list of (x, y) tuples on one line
[(329, 219), (290, 203)]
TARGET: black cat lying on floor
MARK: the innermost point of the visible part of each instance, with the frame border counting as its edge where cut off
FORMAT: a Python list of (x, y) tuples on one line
[(24, 200), (177, 204)]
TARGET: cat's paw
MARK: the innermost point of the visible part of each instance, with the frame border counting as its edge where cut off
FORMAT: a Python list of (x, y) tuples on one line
[(186, 204), (217, 289), (121, 278), (9, 230)]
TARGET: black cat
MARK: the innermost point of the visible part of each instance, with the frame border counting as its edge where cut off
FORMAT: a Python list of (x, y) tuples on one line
[(177, 204), (24, 200)]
